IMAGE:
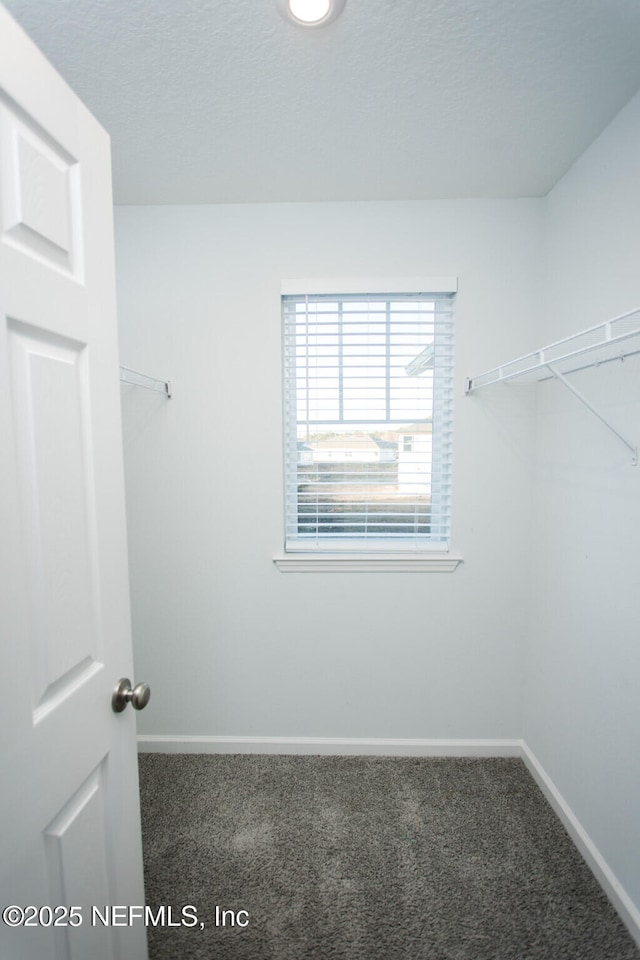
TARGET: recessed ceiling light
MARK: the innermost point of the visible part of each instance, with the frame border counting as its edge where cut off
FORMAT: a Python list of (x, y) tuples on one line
[(310, 13)]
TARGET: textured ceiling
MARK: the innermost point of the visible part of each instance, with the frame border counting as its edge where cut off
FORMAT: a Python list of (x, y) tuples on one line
[(222, 101)]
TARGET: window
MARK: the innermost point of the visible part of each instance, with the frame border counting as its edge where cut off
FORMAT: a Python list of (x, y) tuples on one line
[(368, 397)]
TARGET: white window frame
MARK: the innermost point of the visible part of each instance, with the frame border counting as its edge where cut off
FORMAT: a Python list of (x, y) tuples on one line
[(339, 556)]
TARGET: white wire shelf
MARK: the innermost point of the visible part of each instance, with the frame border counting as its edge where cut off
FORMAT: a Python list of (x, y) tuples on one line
[(612, 340), (142, 380)]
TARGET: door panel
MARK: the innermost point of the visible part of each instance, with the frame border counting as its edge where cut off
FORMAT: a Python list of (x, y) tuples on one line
[(50, 415), (81, 824), (40, 192), (69, 813)]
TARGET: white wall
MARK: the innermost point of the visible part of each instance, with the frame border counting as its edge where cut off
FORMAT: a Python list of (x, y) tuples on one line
[(582, 704), (230, 645)]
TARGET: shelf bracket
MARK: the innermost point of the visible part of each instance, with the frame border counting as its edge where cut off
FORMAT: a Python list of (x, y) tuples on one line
[(574, 390), (149, 383)]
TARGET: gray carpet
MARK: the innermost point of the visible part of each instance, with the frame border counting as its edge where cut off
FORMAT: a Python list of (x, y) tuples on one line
[(366, 858)]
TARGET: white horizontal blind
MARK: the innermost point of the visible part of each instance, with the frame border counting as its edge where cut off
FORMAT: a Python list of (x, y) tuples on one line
[(368, 399)]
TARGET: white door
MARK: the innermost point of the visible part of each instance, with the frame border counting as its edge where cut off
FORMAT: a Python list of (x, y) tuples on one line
[(69, 810)]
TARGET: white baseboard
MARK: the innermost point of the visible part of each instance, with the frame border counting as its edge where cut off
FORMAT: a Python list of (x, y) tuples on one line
[(627, 910), (365, 746), (331, 746)]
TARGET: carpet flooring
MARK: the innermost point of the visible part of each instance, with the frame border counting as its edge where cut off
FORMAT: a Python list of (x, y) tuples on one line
[(365, 858)]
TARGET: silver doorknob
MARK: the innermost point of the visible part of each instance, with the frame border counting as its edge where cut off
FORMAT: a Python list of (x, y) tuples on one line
[(123, 694)]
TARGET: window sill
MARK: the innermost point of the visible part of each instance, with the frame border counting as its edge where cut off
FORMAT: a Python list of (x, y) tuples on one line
[(383, 563)]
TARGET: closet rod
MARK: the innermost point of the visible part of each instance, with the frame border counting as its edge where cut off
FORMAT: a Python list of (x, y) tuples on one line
[(142, 380), (616, 358)]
